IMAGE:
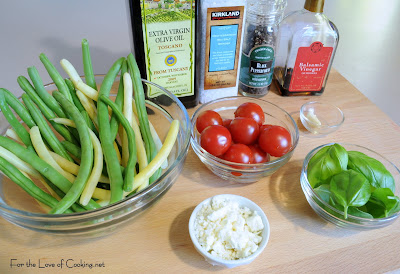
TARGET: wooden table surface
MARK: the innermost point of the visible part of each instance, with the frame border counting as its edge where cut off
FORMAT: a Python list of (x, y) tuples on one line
[(300, 241)]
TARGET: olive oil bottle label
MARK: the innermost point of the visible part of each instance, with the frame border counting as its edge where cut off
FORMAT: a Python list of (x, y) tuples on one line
[(257, 67), (222, 41), (169, 45), (310, 67)]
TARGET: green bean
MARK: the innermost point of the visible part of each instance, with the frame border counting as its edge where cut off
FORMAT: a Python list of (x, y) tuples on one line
[(110, 156), (75, 207), (155, 176), (30, 90), (75, 98), (130, 167), (89, 122), (76, 152), (87, 65), (76, 102), (26, 184), (55, 75), (119, 100), (43, 94), (23, 134), (141, 108), (72, 148), (87, 155), (140, 103), (45, 129), (30, 157), (46, 111), (19, 108)]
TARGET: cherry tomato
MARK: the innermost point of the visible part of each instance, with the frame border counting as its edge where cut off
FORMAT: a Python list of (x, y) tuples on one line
[(259, 155), (238, 153), (275, 140), (216, 139), (251, 110), (226, 122), (244, 130), (264, 127), (207, 118)]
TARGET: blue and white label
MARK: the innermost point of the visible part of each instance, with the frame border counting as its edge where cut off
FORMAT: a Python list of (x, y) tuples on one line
[(223, 41)]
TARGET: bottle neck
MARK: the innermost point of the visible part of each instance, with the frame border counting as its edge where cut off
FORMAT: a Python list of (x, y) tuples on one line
[(314, 5), (266, 12)]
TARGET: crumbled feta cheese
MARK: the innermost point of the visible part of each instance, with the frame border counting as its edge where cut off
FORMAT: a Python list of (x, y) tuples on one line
[(227, 230)]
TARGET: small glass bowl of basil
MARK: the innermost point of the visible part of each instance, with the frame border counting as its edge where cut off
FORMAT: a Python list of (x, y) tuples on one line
[(351, 186)]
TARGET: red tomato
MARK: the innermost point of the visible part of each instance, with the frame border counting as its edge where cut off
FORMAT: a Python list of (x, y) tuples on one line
[(207, 118), (244, 130), (264, 127), (238, 153), (216, 139), (226, 122), (259, 155), (251, 110), (275, 140)]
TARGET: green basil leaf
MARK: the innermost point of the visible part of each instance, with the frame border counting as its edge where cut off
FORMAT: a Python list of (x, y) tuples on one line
[(372, 169), (323, 192), (383, 203), (350, 188), (328, 161), (356, 211)]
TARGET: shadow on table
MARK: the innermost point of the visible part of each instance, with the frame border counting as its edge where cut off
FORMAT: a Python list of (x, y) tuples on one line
[(288, 197), (197, 172), (182, 245), (35, 239)]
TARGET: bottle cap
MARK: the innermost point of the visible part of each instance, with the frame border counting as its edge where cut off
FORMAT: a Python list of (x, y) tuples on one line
[(314, 5), (266, 7)]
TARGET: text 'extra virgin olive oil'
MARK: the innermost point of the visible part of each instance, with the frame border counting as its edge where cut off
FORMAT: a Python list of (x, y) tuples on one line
[(164, 34)]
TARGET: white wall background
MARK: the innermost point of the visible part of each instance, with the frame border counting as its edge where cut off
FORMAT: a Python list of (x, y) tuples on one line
[(57, 28), (367, 54)]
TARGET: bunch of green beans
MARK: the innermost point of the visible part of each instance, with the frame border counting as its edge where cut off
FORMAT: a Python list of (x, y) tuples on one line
[(74, 140)]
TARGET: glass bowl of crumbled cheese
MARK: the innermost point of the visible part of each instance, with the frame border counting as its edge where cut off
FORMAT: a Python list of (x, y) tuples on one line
[(321, 118), (229, 230)]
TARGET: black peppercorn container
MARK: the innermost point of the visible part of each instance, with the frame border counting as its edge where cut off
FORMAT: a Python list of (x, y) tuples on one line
[(258, 49)]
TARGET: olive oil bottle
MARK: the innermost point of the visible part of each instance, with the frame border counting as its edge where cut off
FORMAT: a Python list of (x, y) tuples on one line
[(164, 34)]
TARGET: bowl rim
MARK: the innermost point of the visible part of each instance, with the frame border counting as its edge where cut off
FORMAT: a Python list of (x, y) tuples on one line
[(242, 261), (231, 165), (337, 125), (315, 195), (99, 212)]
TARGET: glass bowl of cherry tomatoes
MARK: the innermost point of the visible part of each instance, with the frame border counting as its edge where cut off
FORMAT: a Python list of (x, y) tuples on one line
[(243, 139)]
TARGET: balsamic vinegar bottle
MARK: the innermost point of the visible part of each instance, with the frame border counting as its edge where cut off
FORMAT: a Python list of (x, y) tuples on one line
[(164, 35), (307, 44)]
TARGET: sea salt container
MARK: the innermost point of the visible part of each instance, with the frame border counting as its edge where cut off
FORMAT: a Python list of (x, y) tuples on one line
[(219, 47)]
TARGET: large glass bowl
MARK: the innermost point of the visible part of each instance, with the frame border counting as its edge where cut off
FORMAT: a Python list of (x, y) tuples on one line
[(19, 208), (244, 173), (336, 216)]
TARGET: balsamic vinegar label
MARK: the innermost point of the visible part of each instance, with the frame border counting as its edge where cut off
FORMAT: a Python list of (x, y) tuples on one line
[(169, 45), (310, 68)]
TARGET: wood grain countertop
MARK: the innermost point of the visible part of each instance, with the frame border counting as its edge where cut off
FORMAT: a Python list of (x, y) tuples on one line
[(300, 241)]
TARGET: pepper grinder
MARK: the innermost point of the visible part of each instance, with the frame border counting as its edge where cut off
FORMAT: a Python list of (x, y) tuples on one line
[(258, 49)]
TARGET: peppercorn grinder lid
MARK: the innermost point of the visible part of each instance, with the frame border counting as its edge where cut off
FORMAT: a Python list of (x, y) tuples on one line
[(314, 5), (266, 7)]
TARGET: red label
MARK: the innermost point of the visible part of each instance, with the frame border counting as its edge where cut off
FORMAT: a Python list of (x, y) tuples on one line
[(310, 68)]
